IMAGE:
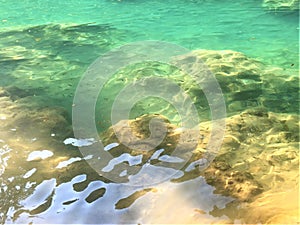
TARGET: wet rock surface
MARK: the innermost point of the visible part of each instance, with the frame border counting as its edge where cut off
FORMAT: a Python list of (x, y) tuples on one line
[(258, 155), (255, 142), (31, 148), (257, 164)]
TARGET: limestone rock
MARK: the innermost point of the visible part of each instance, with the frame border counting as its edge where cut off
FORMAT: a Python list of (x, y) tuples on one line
[(238, 75), (245, 83), (135, 137), (259, 149)]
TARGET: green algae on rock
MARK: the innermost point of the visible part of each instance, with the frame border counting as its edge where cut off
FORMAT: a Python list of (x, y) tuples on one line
[(51, 58), (238, 76), (248, 83), (245, 83)]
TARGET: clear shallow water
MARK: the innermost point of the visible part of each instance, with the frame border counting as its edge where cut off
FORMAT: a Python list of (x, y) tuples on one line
[(245, 27), (42, 64)]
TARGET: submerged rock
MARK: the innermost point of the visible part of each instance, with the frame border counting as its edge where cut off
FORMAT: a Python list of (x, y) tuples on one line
[(152, 137), (259, 152), (259, 155), (238, 76), (49, 59), (244, 81), (274, 207), (25, 131)]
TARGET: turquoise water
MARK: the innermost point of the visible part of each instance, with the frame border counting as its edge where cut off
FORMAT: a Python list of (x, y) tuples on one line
[(45, 48), (57, 57), (246, 27)]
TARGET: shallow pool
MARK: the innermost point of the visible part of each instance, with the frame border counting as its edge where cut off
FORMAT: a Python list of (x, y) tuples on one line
[(139, 112)]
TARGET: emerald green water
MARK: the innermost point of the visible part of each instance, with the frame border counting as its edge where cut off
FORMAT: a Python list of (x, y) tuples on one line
[(45, 48), (38, 54), (246, 27)]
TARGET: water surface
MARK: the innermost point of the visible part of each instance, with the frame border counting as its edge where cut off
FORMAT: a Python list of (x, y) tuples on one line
[(45, 48)]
